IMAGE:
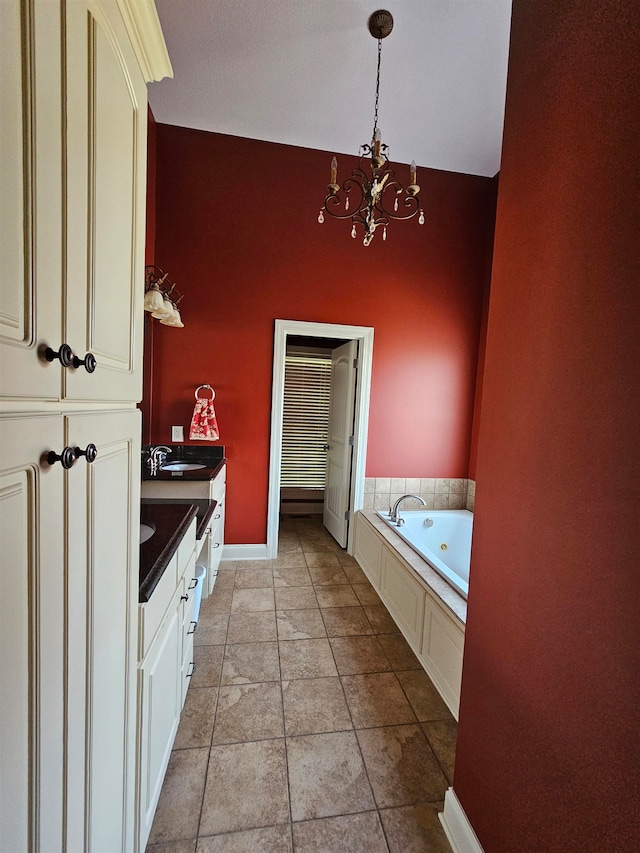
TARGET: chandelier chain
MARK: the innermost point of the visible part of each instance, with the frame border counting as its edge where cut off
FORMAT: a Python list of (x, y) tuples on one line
[(375, 112)]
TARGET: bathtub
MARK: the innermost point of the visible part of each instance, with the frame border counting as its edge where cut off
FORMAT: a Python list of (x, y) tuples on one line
[(445, 544)]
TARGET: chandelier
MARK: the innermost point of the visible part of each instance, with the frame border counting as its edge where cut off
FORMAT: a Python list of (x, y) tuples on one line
[(377, 196), (161, 297)]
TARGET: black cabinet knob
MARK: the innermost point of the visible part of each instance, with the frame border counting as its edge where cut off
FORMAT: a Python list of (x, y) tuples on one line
[(65, 354), (88, 362), (66, 458), (184, 598), (91, 452)]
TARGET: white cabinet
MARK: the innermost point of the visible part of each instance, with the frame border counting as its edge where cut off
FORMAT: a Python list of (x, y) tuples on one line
[(212, 543), (436, 637), (165, 668), (73, 122)]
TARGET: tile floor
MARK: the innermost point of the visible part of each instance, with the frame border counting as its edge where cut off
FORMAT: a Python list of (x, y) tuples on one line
[(309, 724)]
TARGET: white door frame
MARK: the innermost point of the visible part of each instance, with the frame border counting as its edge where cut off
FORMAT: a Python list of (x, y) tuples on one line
[(363, 334)]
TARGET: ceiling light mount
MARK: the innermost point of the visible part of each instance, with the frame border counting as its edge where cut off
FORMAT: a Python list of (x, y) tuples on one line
[(376, 189)]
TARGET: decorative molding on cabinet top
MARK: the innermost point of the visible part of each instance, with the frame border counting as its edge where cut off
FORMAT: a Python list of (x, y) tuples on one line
[(143, 26), (457, 827)]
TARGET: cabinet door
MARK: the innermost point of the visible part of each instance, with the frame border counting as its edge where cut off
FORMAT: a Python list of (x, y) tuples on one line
[(31, 634), (404, 597), (106, 102), (160, 705), (103, 554), (30, 193)]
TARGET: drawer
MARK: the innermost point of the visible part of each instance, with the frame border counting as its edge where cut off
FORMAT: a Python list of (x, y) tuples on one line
[(151, 613), (218, 486), (187, 548), (188, 588)]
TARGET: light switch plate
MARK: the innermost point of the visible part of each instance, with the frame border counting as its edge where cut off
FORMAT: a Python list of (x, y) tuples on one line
[(177, 433)]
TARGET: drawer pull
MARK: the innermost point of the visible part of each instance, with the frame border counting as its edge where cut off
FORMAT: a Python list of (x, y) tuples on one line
[(66, 458), (193, 584), (216, 544), (192, 669), (192, 628), (65, 354), (91, 452), (216, 517), (184, 597), (88, 362), (207, 531)]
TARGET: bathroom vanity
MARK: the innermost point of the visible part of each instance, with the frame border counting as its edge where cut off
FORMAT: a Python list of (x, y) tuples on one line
[(201, 486), (165, 644)]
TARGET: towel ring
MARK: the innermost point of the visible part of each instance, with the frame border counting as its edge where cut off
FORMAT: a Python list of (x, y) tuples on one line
[(213, 393)]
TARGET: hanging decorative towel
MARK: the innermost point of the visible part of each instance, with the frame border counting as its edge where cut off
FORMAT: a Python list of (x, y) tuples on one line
[(204, 426)]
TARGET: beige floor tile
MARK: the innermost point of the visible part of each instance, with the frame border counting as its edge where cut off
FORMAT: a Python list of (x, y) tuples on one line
[(399, 652), (291, 577), (346, 621), (211, 630), (376, 699), (178, 809), (319, 546), (338, 784), (196, 720), (252, 627), (314, 705), (173, 847), (300, 624), (218, 602), (248, 712), (296, 598), (306, 659), (246, 787), (423, 696), (355, 832), (224, 581), (366, 594), (288, 543), (252, 600), (337, 596), (414, 829), (254, 579), (401, 766), (347, 559), (250, 663), (208, 661), (321, 559), (227, 565), (355, 655), (268, 839), (241, 565), (353, 572), (290, 560), (442, 735), (380, 619), (327, 575)]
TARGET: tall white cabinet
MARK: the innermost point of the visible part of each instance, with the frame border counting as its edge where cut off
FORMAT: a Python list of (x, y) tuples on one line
[(73, 118)]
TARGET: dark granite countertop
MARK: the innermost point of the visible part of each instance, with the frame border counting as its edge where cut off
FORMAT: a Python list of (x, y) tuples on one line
[(204, 519), (171, 522), (211, 457)]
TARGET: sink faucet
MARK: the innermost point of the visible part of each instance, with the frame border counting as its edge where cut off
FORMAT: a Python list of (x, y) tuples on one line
[(394, 511), (157, 455)]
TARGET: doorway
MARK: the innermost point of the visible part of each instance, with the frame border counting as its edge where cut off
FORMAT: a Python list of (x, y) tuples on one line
[(362, 336)]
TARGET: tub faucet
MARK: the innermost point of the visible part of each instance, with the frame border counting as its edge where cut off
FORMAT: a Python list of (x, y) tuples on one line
[(157, 455), (394, 511)]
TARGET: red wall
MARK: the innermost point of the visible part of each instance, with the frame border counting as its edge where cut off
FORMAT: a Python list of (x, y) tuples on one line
[(548, 744), (237, 231)]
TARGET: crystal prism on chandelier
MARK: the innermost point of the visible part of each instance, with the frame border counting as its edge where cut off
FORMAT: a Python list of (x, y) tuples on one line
[(373, 198)]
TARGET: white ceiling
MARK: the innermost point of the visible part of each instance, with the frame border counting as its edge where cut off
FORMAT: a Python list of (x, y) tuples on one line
[(302, 72)]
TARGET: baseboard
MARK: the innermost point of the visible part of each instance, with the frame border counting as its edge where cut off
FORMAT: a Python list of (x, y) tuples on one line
[(244, 552), (458, 830)]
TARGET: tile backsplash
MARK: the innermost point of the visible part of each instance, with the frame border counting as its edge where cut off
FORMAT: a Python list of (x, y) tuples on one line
[(438, 492)]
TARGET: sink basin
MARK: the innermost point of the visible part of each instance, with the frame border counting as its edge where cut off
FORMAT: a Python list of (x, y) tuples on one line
[(182, 466), (146, 531)]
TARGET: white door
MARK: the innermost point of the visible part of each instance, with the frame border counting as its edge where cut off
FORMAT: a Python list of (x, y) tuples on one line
[(339, 448)]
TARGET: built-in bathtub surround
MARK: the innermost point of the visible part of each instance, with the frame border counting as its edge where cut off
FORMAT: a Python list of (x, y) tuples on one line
[(471, 495), (437, 492)]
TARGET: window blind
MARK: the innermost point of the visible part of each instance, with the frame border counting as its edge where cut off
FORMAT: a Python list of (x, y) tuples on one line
[(307, 383)]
